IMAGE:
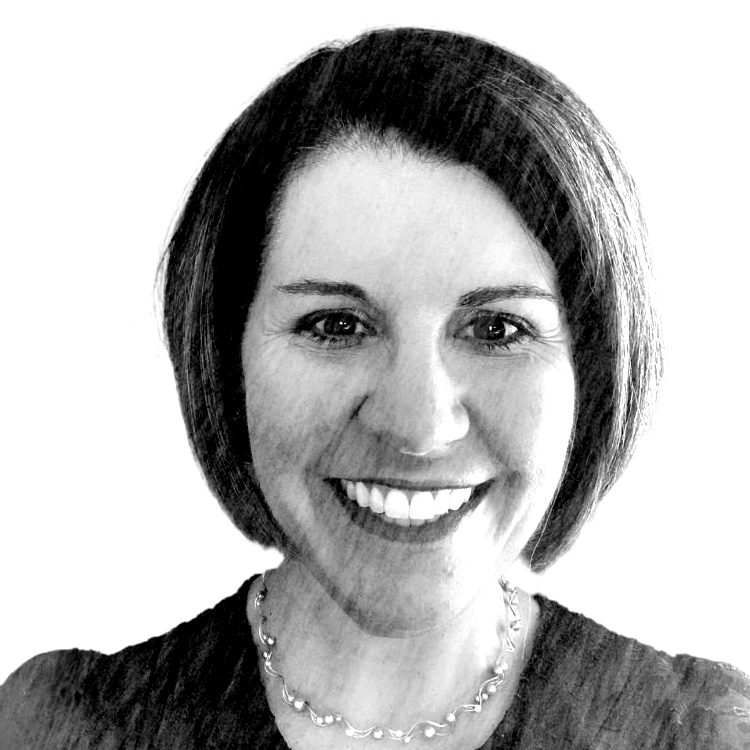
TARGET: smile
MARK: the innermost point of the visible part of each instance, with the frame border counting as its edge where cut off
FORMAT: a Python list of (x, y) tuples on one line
[(406, 507)]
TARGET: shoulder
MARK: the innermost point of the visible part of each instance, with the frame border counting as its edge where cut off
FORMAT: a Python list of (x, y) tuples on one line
[(74, 698), (42, 700), (712, 706), (612, 691)]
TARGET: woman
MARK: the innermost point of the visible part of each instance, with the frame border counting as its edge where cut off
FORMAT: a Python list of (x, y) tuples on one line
[(408, 308)]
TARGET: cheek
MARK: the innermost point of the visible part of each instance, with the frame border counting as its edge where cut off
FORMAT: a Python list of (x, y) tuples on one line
[(291, 414), (548, 420), (527, 417), (527, 423)]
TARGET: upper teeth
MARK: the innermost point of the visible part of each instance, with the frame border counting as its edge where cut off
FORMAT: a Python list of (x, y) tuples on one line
[(406, 507)]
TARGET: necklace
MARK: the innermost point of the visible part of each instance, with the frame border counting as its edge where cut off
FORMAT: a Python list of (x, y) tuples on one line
[(425, 728)]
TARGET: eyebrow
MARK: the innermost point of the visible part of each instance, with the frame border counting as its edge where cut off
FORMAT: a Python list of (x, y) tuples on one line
[(486, 294), (325, 288), (475, 298)]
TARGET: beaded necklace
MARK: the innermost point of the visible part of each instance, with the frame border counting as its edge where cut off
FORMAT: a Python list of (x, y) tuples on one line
[(426, 728)]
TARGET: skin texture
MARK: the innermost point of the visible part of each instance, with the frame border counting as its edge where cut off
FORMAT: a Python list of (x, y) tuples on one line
[(415, 389)]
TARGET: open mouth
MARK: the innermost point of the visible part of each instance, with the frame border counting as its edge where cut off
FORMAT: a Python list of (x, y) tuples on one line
[(403, 513)]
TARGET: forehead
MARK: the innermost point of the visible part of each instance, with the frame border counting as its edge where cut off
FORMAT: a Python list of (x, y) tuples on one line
[(394, 216)]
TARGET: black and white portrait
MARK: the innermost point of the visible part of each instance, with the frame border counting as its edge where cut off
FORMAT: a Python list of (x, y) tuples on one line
[(374, 375)]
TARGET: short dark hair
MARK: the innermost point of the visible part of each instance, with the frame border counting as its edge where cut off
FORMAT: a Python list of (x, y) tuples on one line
[(468, 101)]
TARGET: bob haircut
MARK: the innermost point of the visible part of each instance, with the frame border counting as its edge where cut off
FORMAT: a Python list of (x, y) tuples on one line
[(457, 98)]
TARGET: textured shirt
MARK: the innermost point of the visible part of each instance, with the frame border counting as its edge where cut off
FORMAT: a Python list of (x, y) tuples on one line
[(198, 687)]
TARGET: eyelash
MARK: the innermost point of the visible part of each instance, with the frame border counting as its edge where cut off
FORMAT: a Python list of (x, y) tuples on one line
[(306, 328), (522, 332)]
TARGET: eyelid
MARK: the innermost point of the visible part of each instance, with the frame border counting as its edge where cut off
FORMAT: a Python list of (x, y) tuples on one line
[(468, 316), (317, 315), (305, 328)]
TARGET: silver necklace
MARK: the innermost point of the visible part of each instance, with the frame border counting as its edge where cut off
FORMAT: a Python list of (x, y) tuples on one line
[(425, 728)]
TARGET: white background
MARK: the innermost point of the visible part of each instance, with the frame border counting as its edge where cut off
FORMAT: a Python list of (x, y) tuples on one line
[(108, 534)]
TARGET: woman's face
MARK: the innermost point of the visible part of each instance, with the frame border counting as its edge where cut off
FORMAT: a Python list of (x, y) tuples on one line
[(406, 357)]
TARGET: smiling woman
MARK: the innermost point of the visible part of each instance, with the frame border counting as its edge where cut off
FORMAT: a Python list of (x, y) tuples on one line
[(418, 394), (408, 307)]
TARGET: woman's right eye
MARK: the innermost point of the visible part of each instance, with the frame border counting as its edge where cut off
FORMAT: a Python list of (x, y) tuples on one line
[(335, 329)]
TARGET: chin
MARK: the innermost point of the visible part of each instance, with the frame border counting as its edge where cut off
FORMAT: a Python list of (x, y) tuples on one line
[(383, 578)]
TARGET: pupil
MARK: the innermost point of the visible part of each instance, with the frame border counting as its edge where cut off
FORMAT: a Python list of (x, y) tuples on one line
[(490, 328), (340, 325)]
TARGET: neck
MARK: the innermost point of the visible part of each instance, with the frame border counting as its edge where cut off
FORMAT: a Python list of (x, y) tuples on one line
[(327, 658)]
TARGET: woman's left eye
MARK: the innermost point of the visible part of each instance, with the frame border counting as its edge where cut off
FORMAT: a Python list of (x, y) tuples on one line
[(491, 331), (336, 329)]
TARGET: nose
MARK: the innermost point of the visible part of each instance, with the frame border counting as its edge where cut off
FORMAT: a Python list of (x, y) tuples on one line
[(415, 405)]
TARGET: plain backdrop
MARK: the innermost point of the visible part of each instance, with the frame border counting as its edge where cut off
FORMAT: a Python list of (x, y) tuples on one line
[(108, 534)]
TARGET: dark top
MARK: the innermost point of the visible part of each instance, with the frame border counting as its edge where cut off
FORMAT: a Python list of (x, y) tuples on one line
[(198, 688)]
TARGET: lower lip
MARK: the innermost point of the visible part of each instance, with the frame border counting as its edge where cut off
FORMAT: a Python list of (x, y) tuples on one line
[(427, 532)]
